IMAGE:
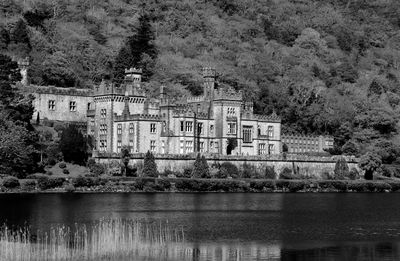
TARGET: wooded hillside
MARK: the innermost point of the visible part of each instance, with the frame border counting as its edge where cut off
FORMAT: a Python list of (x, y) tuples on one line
[(326, 66)]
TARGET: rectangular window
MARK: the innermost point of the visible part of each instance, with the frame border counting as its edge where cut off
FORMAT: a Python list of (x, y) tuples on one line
[(103, 113), (162, 147), (152, 128), (103, 145), (211, 129), (119, 129), (189, 146), (189, 126), (89, 106), (231, 111), (153, 146), (270, 131), (72, 106), (199, 128), (271, 149), (211, 144), (182, 126), (92, 122), (247, 137), (103, 128), (131, 145), (201, 146), (261, 149), (52, 105), (231, 128), (130, 128), (181, 148), (119, 145)]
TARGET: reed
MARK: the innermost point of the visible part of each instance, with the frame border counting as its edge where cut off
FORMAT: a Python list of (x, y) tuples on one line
[(103, 240)]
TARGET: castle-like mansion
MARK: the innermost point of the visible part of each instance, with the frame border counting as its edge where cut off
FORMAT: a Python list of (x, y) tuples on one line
[(219, 121)]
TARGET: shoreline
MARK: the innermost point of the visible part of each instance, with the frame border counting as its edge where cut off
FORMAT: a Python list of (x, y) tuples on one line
[(46, 185)]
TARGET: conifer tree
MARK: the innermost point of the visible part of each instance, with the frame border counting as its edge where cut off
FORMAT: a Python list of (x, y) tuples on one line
[(197, 167), (149, 166), (73, 145), (139, 51), (20, 42), (206, 170), (341, 168)]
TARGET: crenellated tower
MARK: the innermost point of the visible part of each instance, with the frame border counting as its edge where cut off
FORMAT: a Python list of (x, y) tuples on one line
[(209, 75)]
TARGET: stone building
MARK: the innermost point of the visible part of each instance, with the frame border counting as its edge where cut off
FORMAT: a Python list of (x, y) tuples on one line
[(218, 122), (307, 144)]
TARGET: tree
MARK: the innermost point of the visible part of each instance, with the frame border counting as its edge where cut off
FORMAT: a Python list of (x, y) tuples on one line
[(200, 168), (18, 155), (139, 51), (125, 157), (369, 162), (20, 42), (149, 166), (73, 145), (341, 168), (4, 39)]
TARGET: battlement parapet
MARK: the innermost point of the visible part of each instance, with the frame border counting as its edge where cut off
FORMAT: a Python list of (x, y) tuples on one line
[(57, 90), (215, 157), (209, 72), (133, 71), (154, 117), (228, 93), (194, 99), (269, 118)]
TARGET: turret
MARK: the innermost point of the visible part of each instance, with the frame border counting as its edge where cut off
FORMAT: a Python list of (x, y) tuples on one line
[(209, 76), (133, 75)]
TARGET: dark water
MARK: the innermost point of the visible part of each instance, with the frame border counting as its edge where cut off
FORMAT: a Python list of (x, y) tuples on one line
[(237, 226)]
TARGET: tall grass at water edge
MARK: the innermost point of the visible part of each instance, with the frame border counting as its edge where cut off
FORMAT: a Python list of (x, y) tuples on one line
[(103, 240)]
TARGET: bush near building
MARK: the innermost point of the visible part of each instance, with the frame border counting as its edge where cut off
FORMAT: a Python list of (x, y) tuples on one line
[(149, 166), (11, 182), (341, 168)]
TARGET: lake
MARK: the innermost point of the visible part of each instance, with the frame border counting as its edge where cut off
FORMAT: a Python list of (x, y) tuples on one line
[(236, 226)]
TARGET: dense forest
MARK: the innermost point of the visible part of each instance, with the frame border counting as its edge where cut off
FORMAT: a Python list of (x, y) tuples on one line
[(326, 66)]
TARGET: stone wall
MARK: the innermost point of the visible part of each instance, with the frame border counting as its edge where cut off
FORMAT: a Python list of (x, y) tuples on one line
[(305, 165)]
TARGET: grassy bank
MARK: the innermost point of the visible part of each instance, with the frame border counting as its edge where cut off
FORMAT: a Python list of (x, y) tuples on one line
[(105, 240), (124, 184)]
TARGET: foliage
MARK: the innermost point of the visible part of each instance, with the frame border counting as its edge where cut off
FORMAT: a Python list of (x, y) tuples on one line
[(65, 171), (286, 173), (354, 174), (81, 181), (341, 168), (73, 145), (270, 172), (138, 52), (97, 169), (125, 157), (11, 182), (369, 162), (62, 165), (44, 182), (200, 168), (227, 169), (149, 166)]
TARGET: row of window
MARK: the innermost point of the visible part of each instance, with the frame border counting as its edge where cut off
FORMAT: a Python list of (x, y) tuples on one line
[(153, 128), (295, 141), (262, 149), (52, 105)]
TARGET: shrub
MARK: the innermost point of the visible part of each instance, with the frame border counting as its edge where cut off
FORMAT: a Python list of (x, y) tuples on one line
[(11, 182), (295, 185), (200, 168), (378, 186), (91, 162), (259, 185), (81, 181), (149, 166), (286, 173), (369, 162), (97, 169), (341, 168), (228, 169), (353, 175), (282, 184), (357, 186), (248, 171), (270, 172), (62, 165), (69, 188), (29, 185), (386, 171), (395, 185), (66, 171), (49, 173), (49, 183), (115, 172), (340, 185)]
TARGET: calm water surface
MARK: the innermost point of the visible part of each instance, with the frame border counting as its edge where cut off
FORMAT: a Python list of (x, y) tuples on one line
[(237, 226)]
